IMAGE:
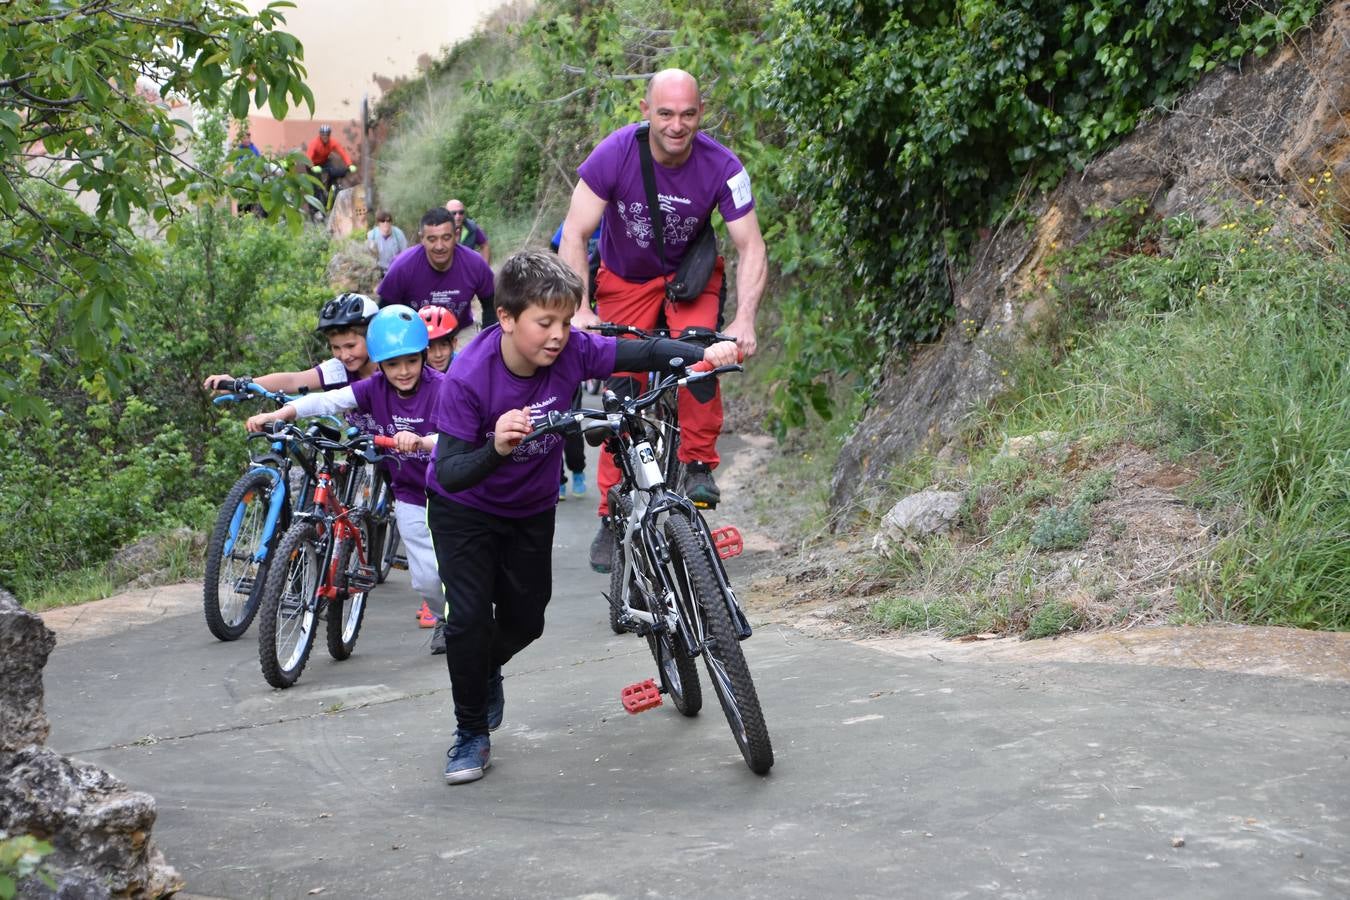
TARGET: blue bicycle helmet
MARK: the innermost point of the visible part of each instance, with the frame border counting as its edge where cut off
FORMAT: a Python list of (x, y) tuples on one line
[(395, 331)]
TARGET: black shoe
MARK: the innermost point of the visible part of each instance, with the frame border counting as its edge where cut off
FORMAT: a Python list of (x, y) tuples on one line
[(602, 549), (699, 485), (438, 640)]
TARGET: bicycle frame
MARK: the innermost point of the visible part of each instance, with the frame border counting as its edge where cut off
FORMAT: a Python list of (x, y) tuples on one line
[(643, 479), (334, 516)]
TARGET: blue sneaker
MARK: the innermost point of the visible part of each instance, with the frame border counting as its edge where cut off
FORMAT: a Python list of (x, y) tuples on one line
[(496, 700), (468, 759), (578, 483), (562, 491)]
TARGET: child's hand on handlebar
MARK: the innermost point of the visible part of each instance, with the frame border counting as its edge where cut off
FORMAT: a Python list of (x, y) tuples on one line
[(512, 428), (408, 441), (213, 380), (723, 353), (259, 422)]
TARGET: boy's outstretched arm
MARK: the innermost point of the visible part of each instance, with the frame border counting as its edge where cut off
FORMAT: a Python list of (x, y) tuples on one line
[(662, 354)]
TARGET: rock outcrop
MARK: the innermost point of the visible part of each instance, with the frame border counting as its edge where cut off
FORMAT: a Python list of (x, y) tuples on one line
[(99, 830), (1243, 134)]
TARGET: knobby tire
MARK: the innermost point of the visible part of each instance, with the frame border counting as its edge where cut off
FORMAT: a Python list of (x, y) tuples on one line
[(722, 653), (228, 612), (289, 611)]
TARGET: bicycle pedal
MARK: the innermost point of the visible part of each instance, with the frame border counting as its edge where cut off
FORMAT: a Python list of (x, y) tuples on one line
[(401, 562), (640, 697), (363, 579), (727, 540)]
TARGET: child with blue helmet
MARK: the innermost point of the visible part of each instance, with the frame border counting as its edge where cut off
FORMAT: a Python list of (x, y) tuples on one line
[(398, 401)]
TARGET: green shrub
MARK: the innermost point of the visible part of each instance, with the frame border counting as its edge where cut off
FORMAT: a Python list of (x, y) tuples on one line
[(1061, 528), (915, 123), (112, 465)]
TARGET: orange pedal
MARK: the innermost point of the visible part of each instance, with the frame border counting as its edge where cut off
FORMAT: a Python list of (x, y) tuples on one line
[(640, 697), (728, 541)]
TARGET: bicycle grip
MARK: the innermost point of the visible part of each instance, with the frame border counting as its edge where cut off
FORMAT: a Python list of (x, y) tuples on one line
[(384, 440), (705, 366)]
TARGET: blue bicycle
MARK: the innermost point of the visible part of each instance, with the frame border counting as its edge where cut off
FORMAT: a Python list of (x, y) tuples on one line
[(256, 511)]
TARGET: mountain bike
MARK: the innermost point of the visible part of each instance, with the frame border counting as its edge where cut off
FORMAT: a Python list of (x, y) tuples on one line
[(666, 576), (663, 418), (321, 570), (256, 510)]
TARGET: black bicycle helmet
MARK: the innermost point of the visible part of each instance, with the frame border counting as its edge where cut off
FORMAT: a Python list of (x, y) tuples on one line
[(347, 310)]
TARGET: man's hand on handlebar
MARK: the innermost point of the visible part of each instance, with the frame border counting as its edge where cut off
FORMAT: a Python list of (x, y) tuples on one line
[(585, 318), (744, 335), (512, 428)]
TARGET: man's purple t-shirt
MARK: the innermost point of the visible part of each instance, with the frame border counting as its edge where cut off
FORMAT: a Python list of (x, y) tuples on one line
[(711, 176), (380, 410), (479, 388), (413, 282)]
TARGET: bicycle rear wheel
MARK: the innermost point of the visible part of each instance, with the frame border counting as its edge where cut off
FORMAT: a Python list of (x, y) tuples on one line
[(290, 603), (234, 576), (722, 653), (383, 547)]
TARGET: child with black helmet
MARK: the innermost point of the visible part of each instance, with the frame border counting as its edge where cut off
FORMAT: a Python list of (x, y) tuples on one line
[(343, 321), (397, 400)]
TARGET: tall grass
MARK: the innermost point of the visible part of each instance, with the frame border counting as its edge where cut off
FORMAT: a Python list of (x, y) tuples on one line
[(1236, 342)]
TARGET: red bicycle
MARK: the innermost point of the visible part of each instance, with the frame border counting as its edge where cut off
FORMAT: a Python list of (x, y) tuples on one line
[(322, 568)]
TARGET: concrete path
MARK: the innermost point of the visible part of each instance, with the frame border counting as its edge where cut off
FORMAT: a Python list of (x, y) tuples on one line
[(895, 776)]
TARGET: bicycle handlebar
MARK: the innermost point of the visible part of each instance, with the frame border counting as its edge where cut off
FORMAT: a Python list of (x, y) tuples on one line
[(693, 335), (240, 389), (325, 437), (556, 422)]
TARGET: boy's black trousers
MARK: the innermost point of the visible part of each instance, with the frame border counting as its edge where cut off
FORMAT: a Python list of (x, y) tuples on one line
[(498, 577)]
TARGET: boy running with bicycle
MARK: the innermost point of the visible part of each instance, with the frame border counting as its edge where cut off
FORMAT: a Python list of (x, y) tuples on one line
[(397, 400), (491, 499)]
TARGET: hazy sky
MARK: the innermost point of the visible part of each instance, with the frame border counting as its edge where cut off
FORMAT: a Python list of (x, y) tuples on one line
[(350, 42)]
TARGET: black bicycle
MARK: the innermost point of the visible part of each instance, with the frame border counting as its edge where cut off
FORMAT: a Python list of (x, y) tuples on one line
[(662, 417), (667, 581)]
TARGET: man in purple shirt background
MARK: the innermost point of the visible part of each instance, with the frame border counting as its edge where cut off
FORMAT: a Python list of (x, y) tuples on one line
[(438, 272), (694, 175)]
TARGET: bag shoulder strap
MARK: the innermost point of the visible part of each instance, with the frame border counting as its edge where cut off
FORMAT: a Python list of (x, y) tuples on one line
[(653, 202)]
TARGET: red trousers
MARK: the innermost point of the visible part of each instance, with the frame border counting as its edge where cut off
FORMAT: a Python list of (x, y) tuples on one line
[(640, 305)]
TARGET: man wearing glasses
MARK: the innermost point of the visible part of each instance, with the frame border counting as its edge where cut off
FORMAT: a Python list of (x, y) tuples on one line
[(470, 235), (439, 271)]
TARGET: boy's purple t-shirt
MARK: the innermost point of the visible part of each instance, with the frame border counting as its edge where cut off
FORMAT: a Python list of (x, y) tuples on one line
[(380, 410), (479, 388), (413, 282), (711, 176)]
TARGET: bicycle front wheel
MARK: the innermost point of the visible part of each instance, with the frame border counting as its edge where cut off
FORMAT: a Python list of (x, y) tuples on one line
[(234, 575), (290, 603), (721, 651)]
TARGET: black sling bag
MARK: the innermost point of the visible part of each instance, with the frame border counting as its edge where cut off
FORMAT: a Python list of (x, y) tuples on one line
[(695, 270)]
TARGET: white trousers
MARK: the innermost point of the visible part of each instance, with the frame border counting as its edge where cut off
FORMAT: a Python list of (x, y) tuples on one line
[(412, 526)]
